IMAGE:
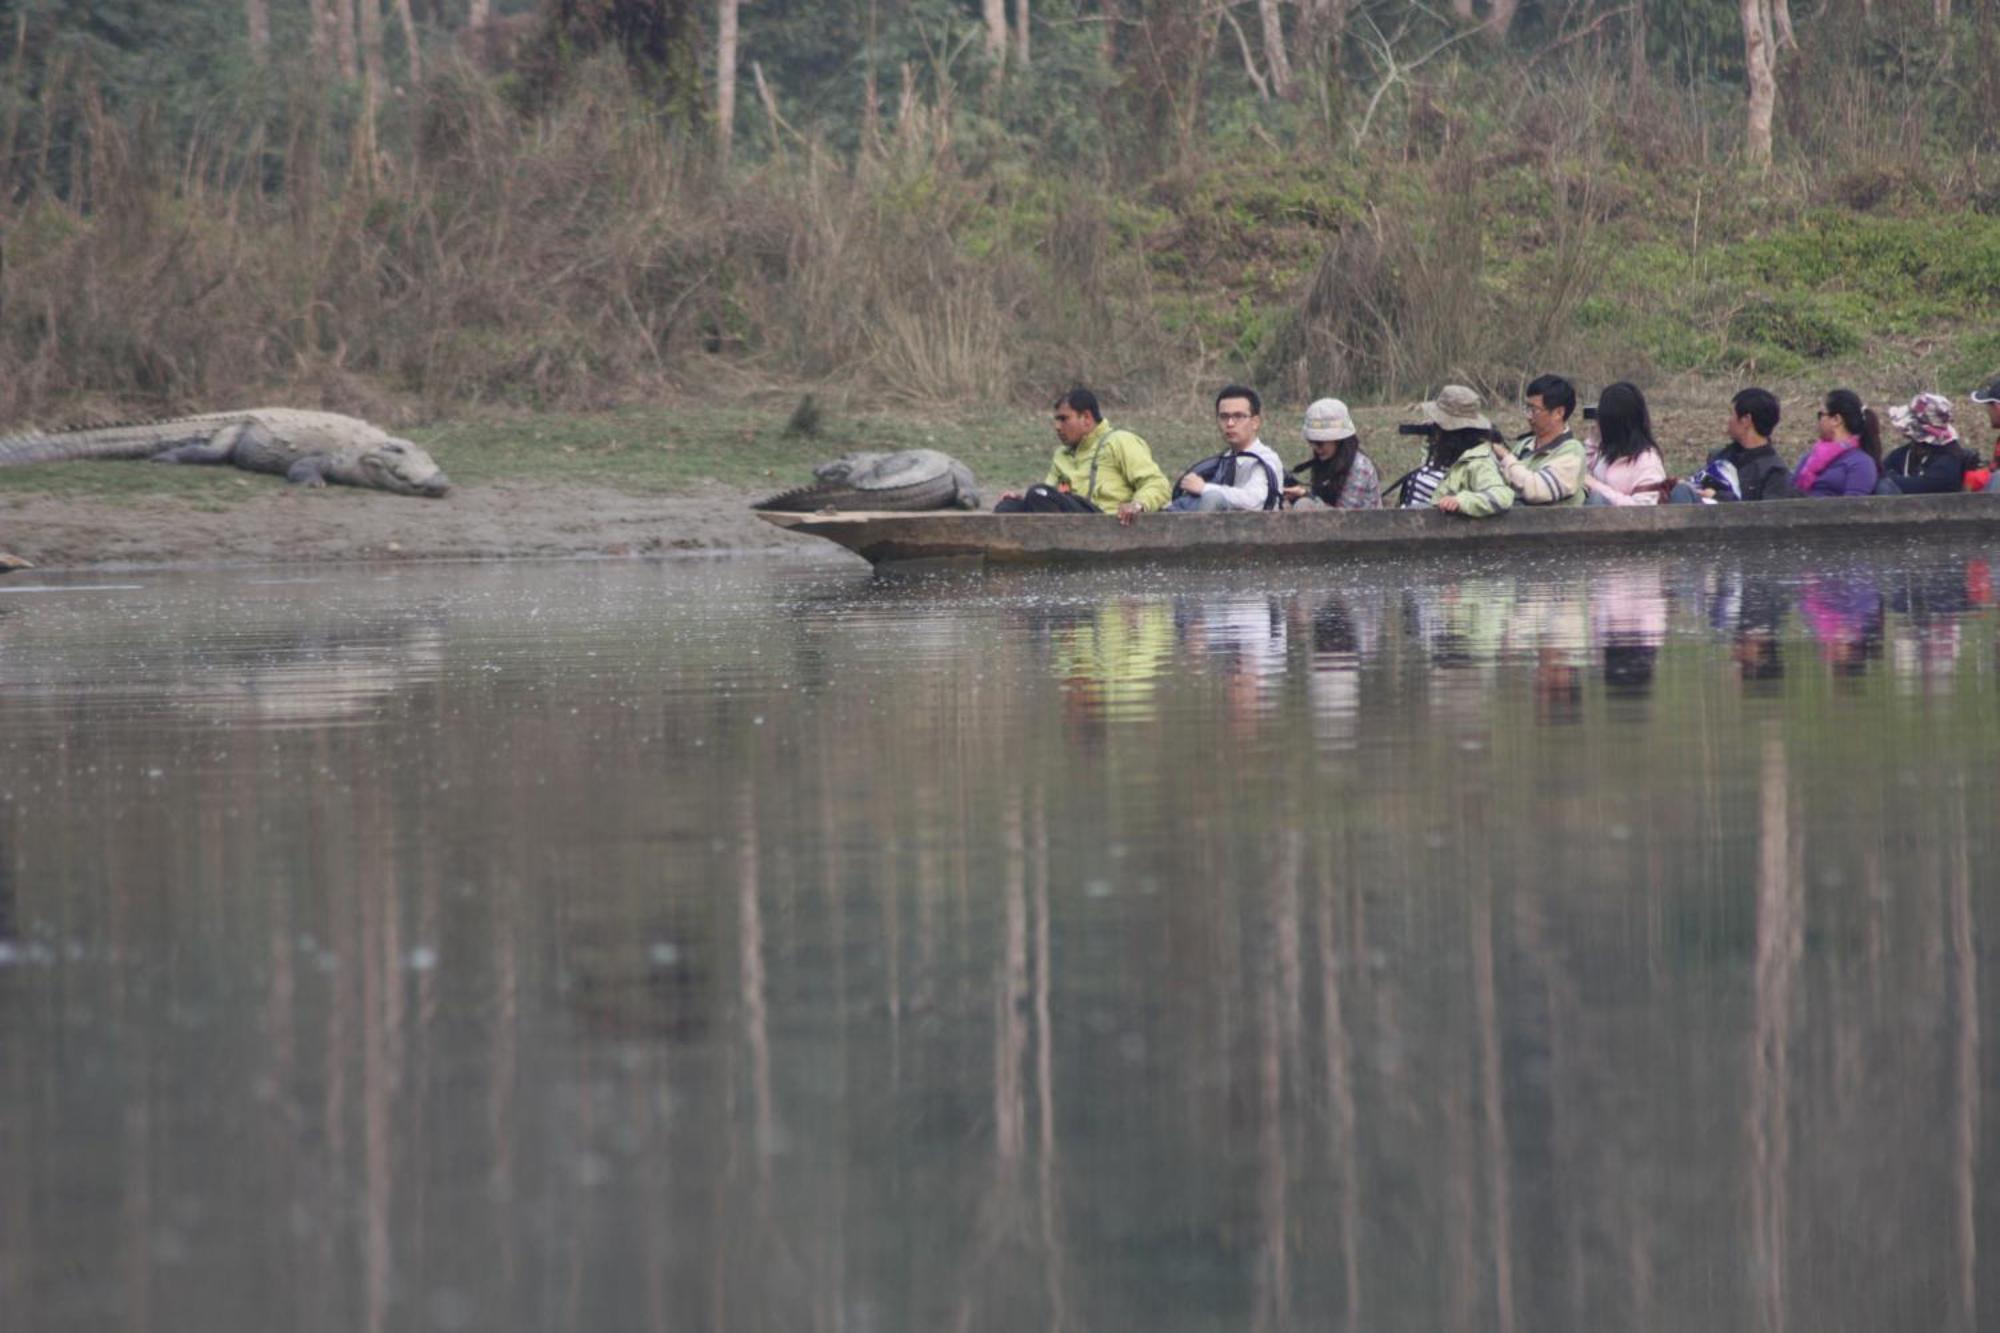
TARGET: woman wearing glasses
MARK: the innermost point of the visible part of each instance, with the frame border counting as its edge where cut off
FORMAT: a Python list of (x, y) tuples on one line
[(1847, 457)]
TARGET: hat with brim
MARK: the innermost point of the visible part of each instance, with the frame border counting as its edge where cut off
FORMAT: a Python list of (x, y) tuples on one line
[(1455, 408), (1988, 392), (1327, 420), (1927, 420)]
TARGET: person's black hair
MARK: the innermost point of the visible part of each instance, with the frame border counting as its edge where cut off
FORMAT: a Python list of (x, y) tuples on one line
[(1449, 445), (1239, 391), (1554, 391), (1628, 666), (1334, 471), (1624, 426), (1761, 406), (1861, 422), (1081, 399)]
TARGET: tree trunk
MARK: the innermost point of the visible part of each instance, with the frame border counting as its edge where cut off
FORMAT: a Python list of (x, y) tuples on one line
[(1638, 51), (1501, 19), (257, 13), (320, 30), (1781, 26), (409, 22), (1462, 9), (1021, 31), (343, 39), (1275, 59), (995, 12), (368, 29), (1763, 87), (725, 78), (479, 13), (1322, 25)]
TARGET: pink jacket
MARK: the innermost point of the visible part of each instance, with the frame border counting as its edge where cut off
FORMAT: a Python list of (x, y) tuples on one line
[(1620, 482)]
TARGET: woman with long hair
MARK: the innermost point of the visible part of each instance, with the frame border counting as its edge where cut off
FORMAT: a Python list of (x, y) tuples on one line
[(1338, 475), (1625, 463), (1847, 457)]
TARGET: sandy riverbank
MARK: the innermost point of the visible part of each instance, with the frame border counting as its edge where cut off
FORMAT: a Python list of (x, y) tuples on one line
[(496, 522)]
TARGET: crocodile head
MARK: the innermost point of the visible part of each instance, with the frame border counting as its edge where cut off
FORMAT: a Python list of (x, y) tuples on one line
[(399, 466)]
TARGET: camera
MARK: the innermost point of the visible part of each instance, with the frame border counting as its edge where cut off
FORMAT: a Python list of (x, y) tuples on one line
[(1590, 412), (1420, 428)]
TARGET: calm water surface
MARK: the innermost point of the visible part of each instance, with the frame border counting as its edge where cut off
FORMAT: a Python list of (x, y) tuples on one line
[(1565, 944)]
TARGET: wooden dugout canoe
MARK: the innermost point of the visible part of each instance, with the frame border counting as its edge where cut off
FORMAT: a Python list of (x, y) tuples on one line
[(1027, 539)]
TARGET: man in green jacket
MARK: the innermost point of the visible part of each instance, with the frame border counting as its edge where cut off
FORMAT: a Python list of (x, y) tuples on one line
[(1546, 466), (1472, 483), (1095, 469)]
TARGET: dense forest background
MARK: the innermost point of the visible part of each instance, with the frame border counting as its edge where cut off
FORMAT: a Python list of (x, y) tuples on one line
[(440, 204)]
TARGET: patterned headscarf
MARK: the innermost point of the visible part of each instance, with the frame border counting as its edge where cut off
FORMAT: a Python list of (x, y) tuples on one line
[(1927, 420)]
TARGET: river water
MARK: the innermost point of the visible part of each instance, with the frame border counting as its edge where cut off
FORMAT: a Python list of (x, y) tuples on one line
[(1559, 944)]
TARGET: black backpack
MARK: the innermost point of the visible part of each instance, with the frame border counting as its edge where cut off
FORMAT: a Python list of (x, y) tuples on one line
[(1209, 467)]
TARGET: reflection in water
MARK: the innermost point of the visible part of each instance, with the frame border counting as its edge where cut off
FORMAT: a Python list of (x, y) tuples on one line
[(1108, 657), (1749, 607), (1844, 612), (1927, 641), (1628, 621), (1345, 631), (1240, 638), (665, 948)]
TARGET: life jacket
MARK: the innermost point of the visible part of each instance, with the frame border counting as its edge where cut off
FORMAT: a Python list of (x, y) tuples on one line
[(1208, 469)]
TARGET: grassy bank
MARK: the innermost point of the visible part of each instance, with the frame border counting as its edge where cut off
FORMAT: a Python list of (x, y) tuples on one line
[(757, 448)]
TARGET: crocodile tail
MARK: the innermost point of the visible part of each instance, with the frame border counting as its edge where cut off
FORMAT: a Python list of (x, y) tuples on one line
[(136, 440), (806, 499), (939, 492)]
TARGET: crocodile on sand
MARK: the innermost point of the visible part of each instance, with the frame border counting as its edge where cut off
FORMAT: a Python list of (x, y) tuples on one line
[(305, 448), (911, 479)]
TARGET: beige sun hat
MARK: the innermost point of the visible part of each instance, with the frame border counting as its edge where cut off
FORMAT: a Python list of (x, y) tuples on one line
[(1328, 419), (1455, 408)]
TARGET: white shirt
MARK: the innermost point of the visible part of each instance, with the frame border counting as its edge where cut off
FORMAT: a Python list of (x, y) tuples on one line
[(1252, 485)]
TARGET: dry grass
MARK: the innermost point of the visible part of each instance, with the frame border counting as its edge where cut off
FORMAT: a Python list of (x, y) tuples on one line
[(585, 256)]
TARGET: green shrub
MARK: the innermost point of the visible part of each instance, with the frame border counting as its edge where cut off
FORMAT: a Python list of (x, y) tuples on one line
[(1812, 325)]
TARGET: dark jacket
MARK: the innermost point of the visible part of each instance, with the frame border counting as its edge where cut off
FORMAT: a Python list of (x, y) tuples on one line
[(1760, 472), (1927, 469)]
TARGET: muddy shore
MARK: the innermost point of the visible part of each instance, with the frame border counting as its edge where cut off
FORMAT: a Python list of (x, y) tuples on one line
[(494, 522)]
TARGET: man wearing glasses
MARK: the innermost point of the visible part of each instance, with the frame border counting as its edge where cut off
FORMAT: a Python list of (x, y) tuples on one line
[(1545, 466), (1245, 475), (1096, 470)]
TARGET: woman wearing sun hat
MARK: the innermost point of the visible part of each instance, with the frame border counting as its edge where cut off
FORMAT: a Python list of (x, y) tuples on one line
[(1338, 475), (1472, 483), (1932, 462)]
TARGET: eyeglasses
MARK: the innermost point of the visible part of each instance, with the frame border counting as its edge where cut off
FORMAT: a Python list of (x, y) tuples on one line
[(1229, 418)]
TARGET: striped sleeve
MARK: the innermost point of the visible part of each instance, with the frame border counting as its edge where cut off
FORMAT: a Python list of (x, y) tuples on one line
[(1555, 480)]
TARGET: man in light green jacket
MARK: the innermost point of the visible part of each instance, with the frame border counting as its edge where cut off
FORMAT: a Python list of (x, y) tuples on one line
[(1095, 469), (1472, 483)]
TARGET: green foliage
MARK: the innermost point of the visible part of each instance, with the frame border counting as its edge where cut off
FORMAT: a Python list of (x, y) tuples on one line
[(1813, 324), (1955, 258), (1972, 358)]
